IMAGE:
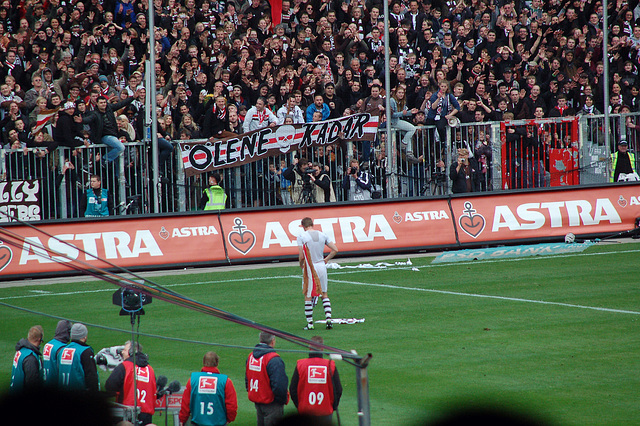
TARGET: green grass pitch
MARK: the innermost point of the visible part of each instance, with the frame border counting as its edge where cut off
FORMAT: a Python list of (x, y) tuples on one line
[(556, 336)]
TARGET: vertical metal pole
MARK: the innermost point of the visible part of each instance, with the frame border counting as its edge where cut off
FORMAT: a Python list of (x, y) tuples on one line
[(152, 108), (605, 76), (362, 378), (496, 156), (122, 181), (449, 157), (62, 194), (392, 160)]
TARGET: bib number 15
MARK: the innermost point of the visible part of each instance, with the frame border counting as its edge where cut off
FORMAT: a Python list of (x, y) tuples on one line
[(206, 408)]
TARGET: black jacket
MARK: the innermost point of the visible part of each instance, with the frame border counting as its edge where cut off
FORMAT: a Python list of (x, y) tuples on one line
[(67, 132), (335, 380), (87, 359), (459, 180), (97, 120), (115, 382)]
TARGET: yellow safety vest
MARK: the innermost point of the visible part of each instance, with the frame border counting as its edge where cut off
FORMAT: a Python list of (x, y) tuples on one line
[(614, 162), (217, 198)]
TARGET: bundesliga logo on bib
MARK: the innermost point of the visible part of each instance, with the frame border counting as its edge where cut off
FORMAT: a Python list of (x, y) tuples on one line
[(317, 374), (208, 385), (46, 353), (255, 364), (67, 356), (142, 374)]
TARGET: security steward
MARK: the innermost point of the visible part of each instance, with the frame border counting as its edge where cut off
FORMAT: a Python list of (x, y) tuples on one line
[(213, 198), (622, 161)]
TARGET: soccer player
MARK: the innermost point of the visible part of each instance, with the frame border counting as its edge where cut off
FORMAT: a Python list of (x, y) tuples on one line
[(311, 245)]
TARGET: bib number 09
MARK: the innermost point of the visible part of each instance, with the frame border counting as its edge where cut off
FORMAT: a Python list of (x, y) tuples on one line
[(316, 398)]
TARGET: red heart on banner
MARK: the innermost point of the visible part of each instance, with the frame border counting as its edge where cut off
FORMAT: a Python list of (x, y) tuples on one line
[(5, 257), (472, 225), (243, 242), (622, 202)]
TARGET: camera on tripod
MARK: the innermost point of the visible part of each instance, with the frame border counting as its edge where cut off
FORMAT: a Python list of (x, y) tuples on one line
[(306, 174), (307, 196)]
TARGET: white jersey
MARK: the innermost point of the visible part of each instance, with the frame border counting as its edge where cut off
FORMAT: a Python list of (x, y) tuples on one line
[(315, 240)]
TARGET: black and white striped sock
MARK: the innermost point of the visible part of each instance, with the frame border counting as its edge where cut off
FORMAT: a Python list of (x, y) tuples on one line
[(326, 303), (308, 311)]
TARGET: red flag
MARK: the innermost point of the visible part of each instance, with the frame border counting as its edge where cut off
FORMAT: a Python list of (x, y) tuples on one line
[(309, 275), (43, 118), (276, 12)]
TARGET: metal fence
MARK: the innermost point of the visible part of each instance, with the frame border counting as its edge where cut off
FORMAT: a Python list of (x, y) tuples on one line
[(543, 153)]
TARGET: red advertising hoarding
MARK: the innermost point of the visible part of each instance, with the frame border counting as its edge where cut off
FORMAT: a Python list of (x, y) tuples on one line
[(206, 239)]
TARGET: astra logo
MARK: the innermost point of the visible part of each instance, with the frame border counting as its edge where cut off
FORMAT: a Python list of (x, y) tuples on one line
[(350, 229), (114, 245), (555, 214)]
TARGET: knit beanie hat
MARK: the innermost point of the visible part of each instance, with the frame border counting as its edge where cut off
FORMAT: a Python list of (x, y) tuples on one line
[(78, 331)]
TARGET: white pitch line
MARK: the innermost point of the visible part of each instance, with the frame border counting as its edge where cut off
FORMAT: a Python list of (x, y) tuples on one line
[(485, 296), (359, 271), (73, 293)]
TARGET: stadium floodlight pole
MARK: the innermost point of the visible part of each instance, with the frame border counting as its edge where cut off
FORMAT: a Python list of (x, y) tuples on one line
[(392, 179), (605, 76), (151, 106)]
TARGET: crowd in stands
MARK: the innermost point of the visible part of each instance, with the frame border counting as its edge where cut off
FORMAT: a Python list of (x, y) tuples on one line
[(225, 67)]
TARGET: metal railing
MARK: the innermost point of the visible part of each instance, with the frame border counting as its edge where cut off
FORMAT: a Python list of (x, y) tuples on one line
[(421, 170)]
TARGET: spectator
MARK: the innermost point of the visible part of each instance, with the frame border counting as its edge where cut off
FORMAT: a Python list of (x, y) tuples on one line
[(357, 182), (441, 107), (290, 109), (259, 117), (464, 173), (68, 133), (318, 105), (104, 128)]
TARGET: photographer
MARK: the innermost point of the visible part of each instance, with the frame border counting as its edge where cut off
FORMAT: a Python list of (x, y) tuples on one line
[(302, 187), (323, 190), (464, 173), (357, 182), (121, 382)]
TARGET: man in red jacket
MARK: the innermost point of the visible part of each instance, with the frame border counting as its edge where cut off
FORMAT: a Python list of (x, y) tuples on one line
[(315, 385), (210, 397), (121, 381)]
